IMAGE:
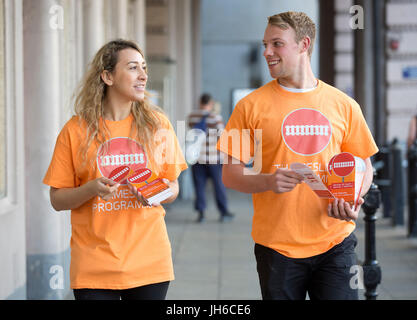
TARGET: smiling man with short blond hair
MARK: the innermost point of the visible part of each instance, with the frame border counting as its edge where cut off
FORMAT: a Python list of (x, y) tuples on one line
[(303, 244)]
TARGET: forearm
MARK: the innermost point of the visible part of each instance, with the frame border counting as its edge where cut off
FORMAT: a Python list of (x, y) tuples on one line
[(249, 184), (239, 178), (70, 198)]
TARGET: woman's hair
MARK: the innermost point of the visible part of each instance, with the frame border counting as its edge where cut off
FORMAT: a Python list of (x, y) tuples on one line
[(300, 22), (91, 93)]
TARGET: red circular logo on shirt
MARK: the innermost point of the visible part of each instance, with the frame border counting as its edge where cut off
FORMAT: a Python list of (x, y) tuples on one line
[(343, 164), (120, 152), (306, 131)]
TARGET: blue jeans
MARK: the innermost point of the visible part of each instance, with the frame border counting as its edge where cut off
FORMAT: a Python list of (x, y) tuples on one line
[(202, 172)]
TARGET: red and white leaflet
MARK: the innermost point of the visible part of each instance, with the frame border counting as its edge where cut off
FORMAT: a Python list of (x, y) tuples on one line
[(312, 180)]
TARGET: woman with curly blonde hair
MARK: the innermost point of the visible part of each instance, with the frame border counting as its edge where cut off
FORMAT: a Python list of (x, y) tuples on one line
[(119, 244)]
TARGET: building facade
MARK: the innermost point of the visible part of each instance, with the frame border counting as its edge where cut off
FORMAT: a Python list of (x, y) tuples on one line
[(45, 46)]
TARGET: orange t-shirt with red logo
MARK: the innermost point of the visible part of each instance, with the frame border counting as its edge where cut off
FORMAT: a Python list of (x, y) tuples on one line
[(115, 244), (275, 128)]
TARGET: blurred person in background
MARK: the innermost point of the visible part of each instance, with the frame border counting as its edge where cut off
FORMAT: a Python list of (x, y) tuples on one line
[(209, 164), (412, 131)]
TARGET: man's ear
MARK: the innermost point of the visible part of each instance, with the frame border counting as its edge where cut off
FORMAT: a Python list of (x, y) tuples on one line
[(305, 44), (107, 77)]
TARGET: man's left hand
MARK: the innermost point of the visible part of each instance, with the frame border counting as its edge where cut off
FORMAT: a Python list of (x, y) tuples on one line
[(340, 209)]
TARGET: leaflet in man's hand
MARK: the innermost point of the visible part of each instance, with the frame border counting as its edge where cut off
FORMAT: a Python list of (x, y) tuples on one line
[(312, 180), (345, 175)]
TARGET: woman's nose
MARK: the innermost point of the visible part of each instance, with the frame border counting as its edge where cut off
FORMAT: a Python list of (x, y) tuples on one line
[(143, 75)]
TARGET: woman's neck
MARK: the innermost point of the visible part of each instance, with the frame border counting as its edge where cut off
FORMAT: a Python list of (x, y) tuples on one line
[(116, 110)]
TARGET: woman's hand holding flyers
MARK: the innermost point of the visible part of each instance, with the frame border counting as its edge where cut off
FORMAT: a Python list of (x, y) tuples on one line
[(104, 188), (72, 198), (139, 196), (172, 184)]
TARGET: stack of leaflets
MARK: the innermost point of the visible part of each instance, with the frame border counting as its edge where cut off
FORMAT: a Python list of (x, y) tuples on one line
[(151, 187)]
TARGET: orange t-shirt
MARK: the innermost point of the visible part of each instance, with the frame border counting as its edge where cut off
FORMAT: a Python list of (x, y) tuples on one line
[(116, 244), (277, 127)]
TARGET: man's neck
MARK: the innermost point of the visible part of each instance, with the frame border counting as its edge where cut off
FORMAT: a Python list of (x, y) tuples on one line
[(302, 78)]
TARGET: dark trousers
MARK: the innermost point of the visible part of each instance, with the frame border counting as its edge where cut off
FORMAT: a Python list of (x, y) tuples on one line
[(325, 277), (155, 291), (201, 172)]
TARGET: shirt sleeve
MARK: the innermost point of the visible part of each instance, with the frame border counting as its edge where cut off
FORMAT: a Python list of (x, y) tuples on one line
[(61, 171), (358, 139), (237, 139)]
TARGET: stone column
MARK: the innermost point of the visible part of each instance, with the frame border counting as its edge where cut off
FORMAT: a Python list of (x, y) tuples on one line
[(47, 231), (121, 18), (139, 23), (93, 28), (184, 58), (185, 78), (12, 201), (116, 19), (196, 50)]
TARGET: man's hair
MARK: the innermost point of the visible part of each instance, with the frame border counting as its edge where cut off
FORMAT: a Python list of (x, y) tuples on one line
[(300, 22), (205, 98)]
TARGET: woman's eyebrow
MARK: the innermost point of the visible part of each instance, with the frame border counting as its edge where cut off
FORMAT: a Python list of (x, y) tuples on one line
[(135, 62)]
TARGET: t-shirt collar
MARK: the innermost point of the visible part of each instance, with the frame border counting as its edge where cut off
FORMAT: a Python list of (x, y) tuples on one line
[(297, 90)]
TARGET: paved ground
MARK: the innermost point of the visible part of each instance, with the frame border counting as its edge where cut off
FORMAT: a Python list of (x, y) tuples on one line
[(397, 256), (215, 260)]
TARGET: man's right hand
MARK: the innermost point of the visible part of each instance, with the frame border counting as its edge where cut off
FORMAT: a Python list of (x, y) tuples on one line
[(234, 177), (284, 180)]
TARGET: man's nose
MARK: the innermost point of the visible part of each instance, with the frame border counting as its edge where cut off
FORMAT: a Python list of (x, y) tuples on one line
[(267, 51)]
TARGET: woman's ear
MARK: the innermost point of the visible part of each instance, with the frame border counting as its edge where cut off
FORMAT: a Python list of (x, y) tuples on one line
[(107, 77)]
